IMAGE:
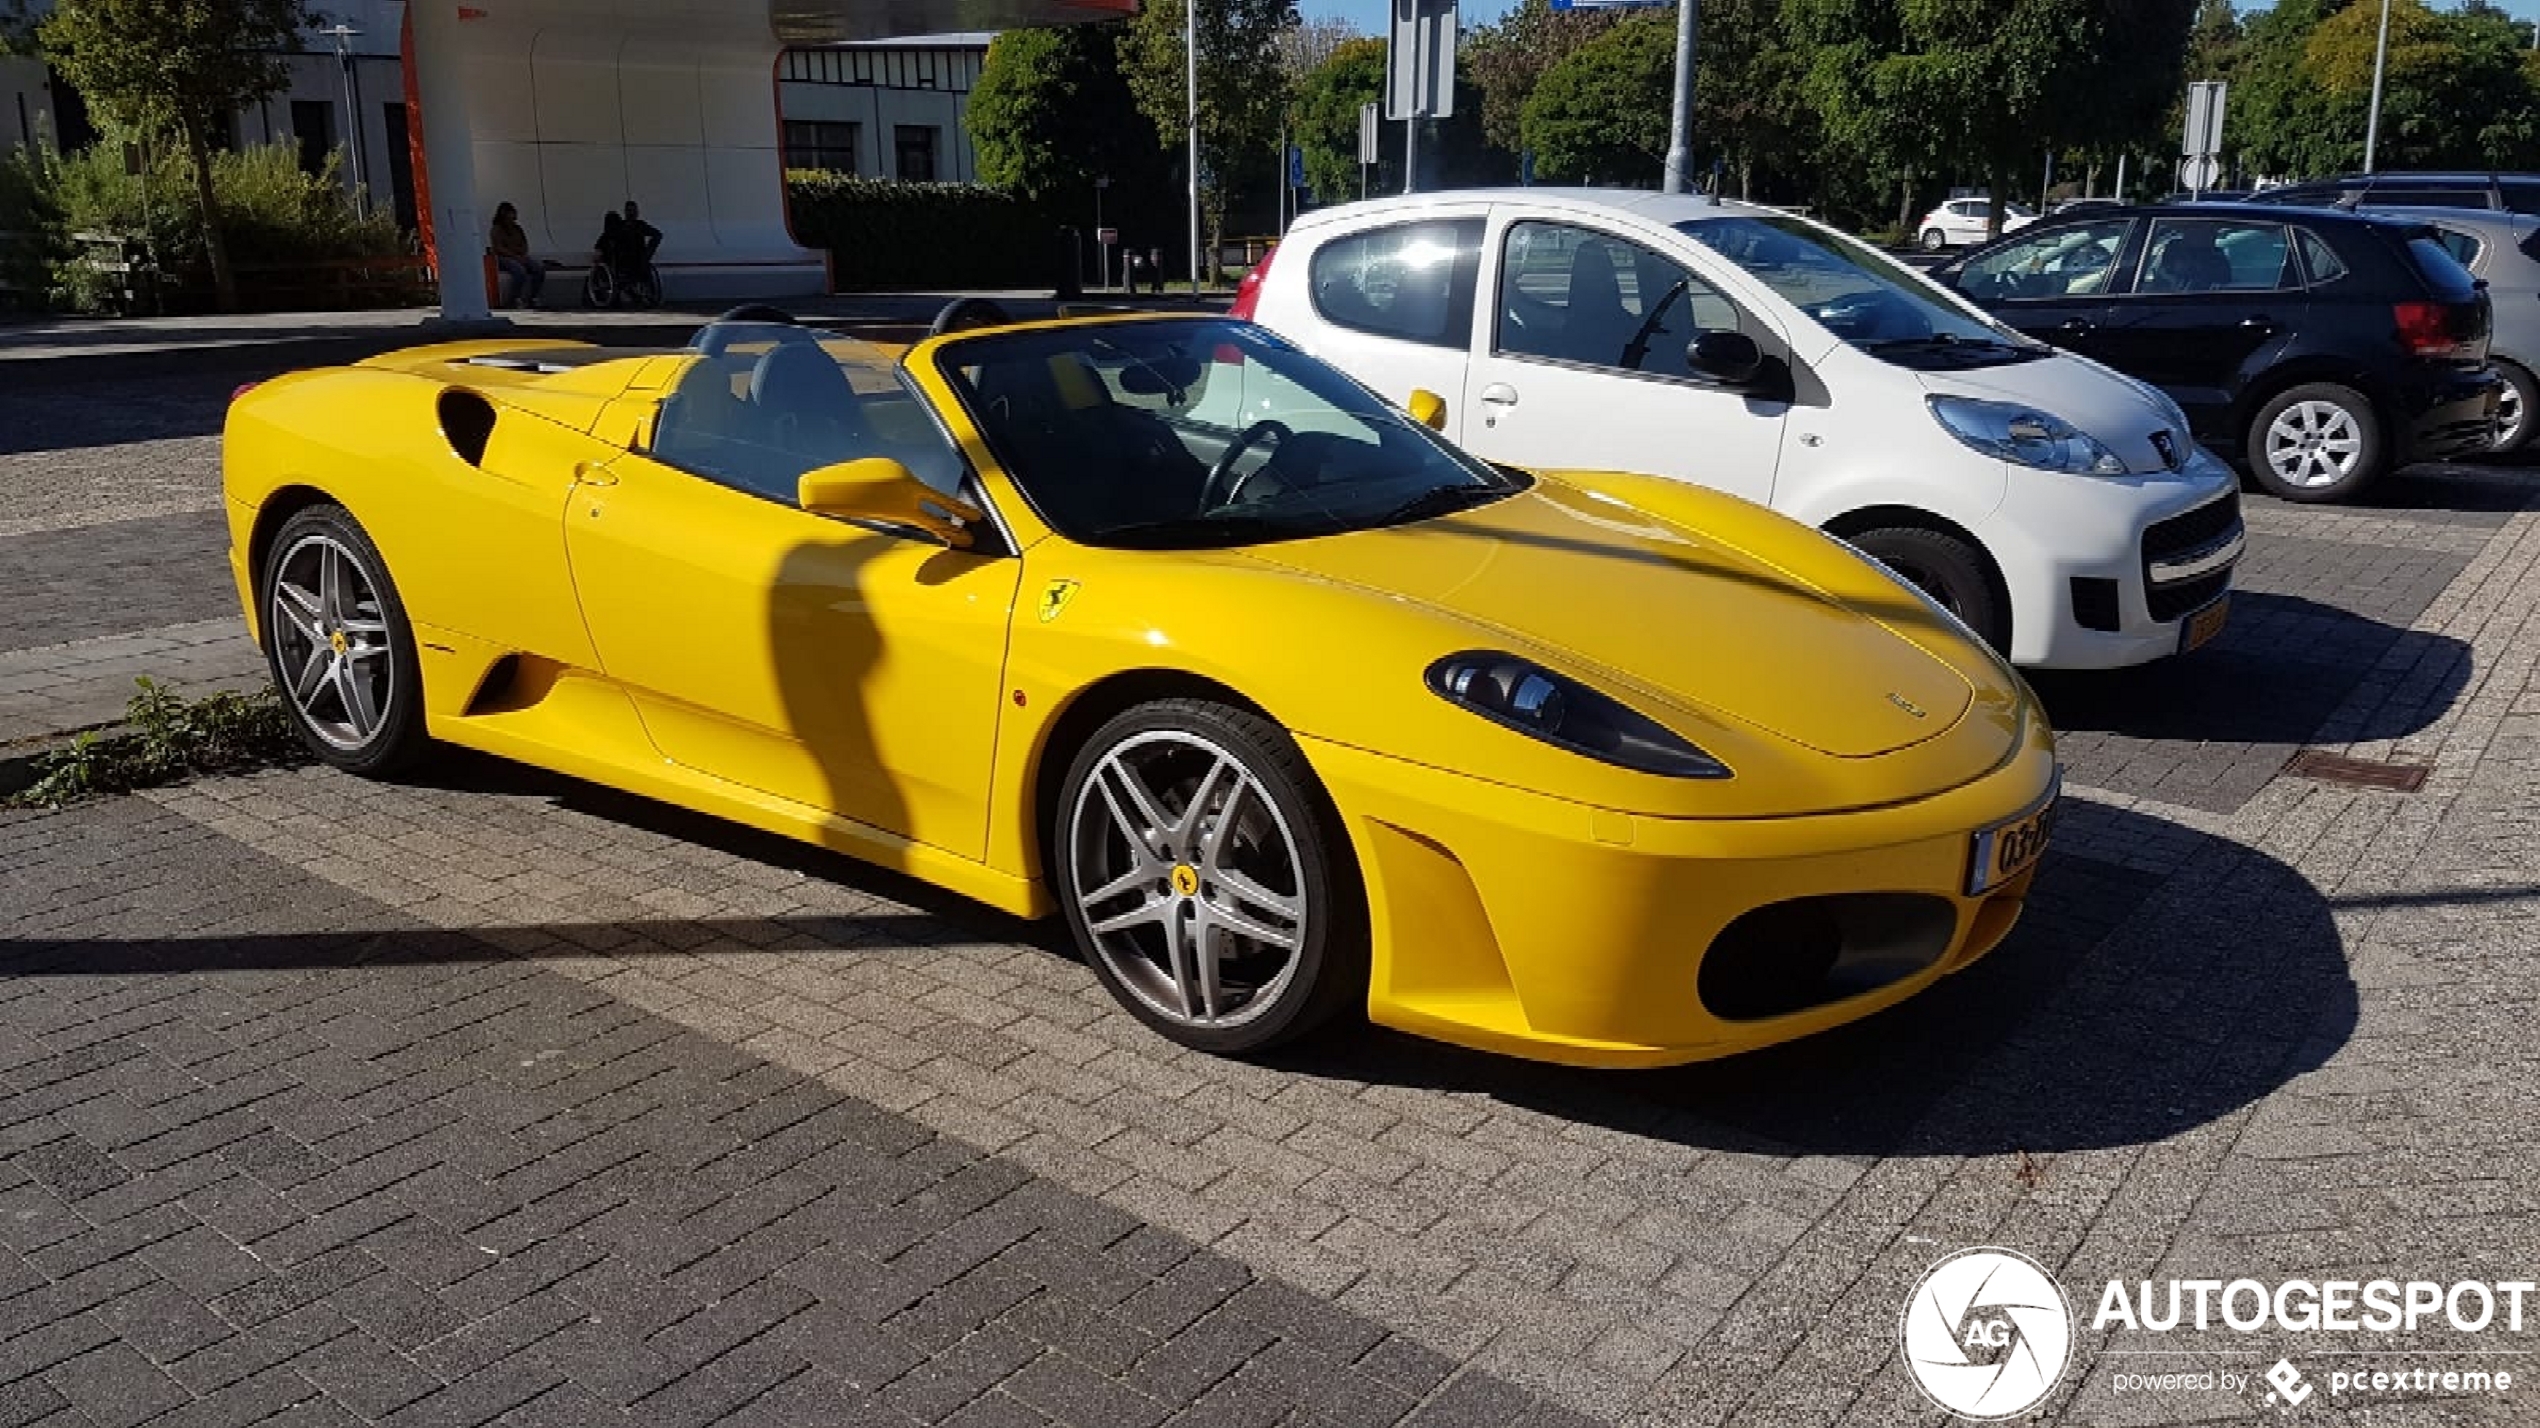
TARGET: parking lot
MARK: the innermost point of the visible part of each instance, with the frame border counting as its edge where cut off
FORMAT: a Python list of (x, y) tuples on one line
[(491, 1096)]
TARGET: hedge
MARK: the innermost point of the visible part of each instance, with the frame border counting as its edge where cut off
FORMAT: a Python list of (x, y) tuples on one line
[(883, 234)]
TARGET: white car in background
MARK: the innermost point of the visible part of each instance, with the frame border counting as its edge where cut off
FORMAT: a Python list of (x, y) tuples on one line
[(1965, 222), (2059, 509)]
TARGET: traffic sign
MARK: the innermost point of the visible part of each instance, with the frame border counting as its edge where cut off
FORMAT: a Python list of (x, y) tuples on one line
[(2199, 172), (1107, 236), (1369, 116), (1420, 60), (1296, 167)]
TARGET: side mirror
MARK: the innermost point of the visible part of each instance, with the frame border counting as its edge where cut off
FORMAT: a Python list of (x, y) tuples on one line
[(876, 488), (1428, 409), (1724, 358)]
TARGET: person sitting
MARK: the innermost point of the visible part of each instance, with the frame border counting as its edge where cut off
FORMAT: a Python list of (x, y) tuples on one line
[(510, 245), (643, 240)]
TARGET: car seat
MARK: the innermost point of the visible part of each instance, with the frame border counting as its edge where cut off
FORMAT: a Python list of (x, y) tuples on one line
[(1594, 326), (2190, 263), (801, 405)]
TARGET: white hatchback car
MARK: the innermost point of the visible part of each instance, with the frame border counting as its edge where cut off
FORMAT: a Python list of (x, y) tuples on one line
[(2057, 508), (1965, 222)]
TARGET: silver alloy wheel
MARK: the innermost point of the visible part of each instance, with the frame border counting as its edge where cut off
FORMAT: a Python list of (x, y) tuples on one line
[(330, 641), (1189, 879), (2509, 418), (2314, 443)]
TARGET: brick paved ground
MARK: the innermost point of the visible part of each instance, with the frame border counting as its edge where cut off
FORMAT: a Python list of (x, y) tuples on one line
[(494, 1093)]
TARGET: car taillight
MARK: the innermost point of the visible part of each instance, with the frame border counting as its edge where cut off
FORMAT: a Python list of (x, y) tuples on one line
[(1248, 292), (2434, 329)]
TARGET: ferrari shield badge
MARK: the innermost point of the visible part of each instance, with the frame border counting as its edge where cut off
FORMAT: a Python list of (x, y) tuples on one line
[(1055, 598)]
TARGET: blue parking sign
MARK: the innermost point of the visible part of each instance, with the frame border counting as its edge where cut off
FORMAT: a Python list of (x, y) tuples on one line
[(1296, 167)]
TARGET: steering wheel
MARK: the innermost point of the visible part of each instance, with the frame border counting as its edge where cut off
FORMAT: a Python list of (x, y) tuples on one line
[(966, 313), (1223, 484)]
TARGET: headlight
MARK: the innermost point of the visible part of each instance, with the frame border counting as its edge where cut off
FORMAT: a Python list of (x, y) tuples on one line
[(2025, 436), (1562, 712)]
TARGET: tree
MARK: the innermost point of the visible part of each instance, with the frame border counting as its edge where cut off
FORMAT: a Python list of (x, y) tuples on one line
[(1600, 115), (1242, 91), (1051, 113), (1506, 60), (1307, 45), (1328, 99), (187, 67), (2458, 92)]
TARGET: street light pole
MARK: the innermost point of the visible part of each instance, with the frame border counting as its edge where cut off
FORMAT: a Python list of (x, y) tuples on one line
[(2380, 60), (344, 35), (1680, 122), (1190, 82)]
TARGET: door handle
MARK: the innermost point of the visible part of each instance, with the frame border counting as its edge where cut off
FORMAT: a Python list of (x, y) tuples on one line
[(591, 473), (1500, 394), (2076, 327)]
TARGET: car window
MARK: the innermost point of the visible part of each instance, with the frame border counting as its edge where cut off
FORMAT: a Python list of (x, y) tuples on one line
[(2318, 258), (2521, 195), (2205, 255), (756, 416), (2426, 195), (2444, 274), (1412, 281), (1577, 296), (2067, 262), (2462, 246)]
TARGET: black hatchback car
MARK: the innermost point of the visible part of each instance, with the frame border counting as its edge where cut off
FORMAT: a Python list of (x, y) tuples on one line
[(2324, 347)]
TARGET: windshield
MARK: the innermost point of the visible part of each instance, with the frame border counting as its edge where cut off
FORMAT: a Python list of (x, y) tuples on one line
[(1177, 435), (1859, 294)]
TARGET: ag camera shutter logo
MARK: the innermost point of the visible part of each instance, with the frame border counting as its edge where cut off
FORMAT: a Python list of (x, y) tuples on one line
[(1987, 1333)]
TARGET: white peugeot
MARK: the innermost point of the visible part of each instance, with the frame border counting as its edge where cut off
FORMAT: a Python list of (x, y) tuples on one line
[(2059, 509)]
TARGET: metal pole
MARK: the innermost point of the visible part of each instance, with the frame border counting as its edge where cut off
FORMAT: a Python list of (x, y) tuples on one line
[(1411, 125), (2048, 186), (2121, 178), (2380, 58), (1102, 250), (1680, 123), (1190, 82)]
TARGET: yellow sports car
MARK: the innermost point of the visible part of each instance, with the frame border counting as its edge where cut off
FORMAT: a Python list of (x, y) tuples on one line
[(1160, 624)]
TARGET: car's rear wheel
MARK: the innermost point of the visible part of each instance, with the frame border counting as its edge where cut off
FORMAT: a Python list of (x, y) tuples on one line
[(2514, 410), (1934, 240), (2316, 442), (338, 644), (1206, 879), (1949, 570)]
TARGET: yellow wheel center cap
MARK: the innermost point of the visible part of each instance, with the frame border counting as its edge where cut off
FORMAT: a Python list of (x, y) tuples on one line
[(1185, 880), (338, 642)]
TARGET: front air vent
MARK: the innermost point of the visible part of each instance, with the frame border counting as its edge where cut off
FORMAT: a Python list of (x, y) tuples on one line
[(467, 423)]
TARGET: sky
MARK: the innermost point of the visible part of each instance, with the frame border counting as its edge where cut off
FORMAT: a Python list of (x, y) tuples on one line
[(1369, 15)]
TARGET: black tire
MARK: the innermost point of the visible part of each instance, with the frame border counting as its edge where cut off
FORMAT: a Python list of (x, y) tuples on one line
[(2370, 458), (1947, 569), (397, 739), (1934, 240), (1330, 963), (2522, 404)]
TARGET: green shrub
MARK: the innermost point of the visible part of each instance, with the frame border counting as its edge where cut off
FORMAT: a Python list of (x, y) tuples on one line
[(167, 739), (270, 211), (906, 235), (30, 229)]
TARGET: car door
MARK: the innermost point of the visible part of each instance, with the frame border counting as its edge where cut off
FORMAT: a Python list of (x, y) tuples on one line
[(1393, 305), (2052, 284), (1580, 362), (2209, 298), (847, 667)]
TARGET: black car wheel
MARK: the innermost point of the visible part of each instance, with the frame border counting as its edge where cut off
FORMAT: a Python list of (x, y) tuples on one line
[(2317, 442), (2515, 408), (338, 644), (1206, 878), (1947, 569)]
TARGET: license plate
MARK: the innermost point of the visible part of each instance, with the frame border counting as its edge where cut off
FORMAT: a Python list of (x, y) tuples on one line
[(2205, 624), (2006, 850)]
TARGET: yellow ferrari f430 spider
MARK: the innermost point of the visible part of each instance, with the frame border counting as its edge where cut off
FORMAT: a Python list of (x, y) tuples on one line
[(1160, 624)]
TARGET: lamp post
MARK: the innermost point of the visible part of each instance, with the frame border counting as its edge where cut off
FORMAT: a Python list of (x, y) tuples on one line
[(1190, 84), (343, 35), (2380, 61), (1679, 174)]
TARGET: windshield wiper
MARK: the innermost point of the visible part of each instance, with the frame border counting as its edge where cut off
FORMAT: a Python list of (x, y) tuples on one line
[(1952, 343), (1439, 501)]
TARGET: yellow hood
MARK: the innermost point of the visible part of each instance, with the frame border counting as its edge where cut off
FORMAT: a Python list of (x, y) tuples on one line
[(1650, 605)]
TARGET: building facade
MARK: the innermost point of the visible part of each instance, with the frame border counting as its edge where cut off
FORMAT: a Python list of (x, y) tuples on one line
[(888, 109)]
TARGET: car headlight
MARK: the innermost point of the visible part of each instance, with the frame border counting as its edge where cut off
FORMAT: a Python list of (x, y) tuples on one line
[(2025, 436), (1561, 711)]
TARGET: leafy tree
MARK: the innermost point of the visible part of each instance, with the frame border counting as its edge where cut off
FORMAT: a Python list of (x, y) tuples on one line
[(1600, 115), (1052, 112), (1750, 110), (1307, 45), (1506, 60), (1242, 91), (186, 67), (1328, 99), (2459, 90)]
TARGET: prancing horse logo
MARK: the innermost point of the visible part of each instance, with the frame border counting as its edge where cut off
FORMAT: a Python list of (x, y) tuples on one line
[(1055, 598), (1908, 705)]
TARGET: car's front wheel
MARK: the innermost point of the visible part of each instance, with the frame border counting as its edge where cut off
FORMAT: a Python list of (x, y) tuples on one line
[(1206, 879), (1949, 570), (1934, 240), (338, 644), (2316, 442)]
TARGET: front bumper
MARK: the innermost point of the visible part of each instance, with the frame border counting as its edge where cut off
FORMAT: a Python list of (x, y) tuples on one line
[(1520, 923), (2105, 573)]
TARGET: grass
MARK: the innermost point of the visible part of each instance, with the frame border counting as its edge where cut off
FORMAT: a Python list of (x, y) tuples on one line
[(166, 738)]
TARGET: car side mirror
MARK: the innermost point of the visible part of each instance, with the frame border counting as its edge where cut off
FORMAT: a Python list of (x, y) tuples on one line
[(1428, 409), (877, 488), (1723, 358)]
